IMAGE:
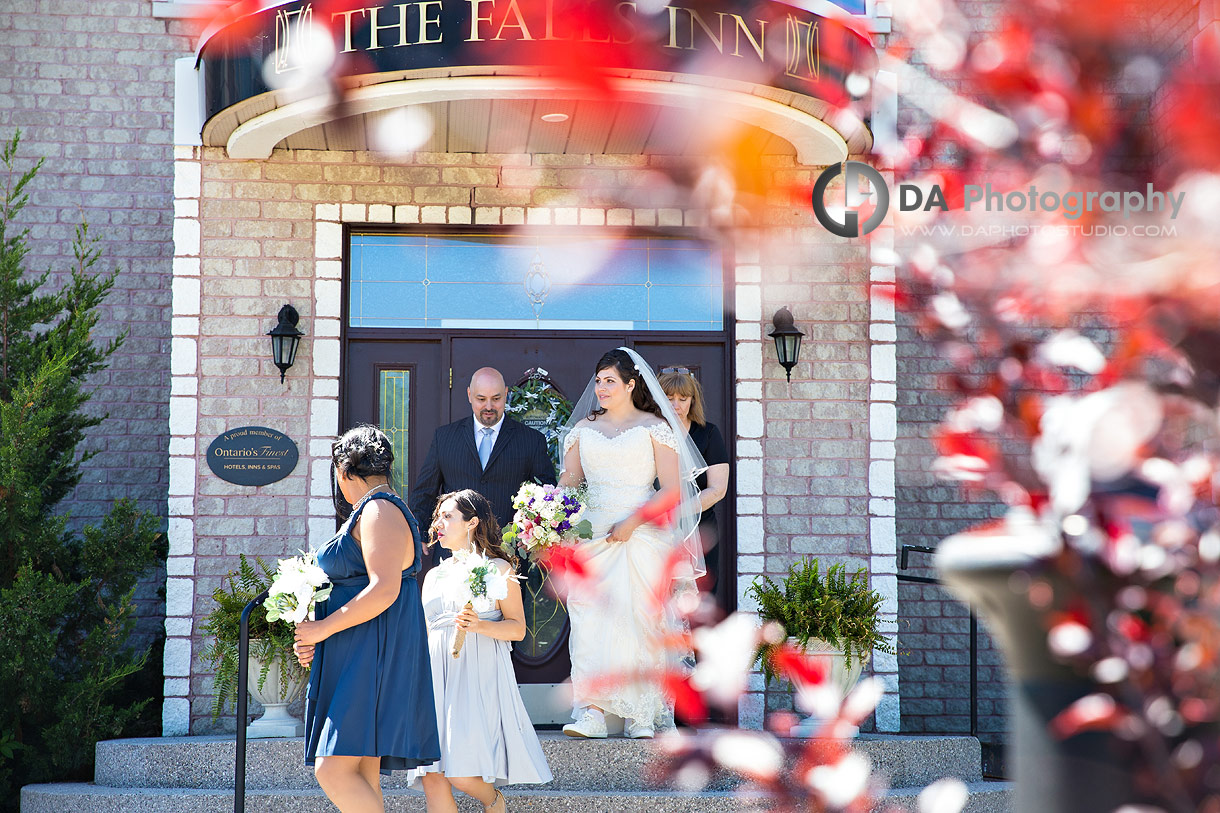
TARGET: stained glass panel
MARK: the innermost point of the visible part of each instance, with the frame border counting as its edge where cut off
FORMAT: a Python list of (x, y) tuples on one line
[(394, 418), (584, 282)]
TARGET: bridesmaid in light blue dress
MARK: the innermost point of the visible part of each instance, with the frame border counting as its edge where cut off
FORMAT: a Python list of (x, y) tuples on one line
[(487, 740), (369, 707)]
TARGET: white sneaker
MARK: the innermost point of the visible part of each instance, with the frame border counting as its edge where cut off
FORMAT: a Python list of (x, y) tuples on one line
[(589, 725), (637, 731)]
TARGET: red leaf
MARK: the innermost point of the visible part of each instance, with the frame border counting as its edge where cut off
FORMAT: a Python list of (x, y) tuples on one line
[(794, 664), (1131, 627), (688, 702), (660, 511), (1095, 712)]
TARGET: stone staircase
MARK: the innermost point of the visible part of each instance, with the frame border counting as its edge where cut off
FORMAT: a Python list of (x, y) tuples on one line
[(195, 775)]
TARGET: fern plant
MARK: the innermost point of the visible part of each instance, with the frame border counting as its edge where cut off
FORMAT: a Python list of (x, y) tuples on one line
[(268, 640), (831, 607)]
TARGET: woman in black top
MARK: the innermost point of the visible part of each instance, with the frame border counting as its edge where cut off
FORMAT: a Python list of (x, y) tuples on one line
[(686, 396)]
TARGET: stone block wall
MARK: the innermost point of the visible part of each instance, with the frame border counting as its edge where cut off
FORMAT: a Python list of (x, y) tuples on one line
[(251, 236), (90, 87)]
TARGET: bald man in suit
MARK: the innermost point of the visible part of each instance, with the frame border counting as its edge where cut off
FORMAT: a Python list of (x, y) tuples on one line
[(485, 451)]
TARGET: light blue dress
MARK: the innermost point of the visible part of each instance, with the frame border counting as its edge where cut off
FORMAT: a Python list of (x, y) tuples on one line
[(485, 730), (370, 686)]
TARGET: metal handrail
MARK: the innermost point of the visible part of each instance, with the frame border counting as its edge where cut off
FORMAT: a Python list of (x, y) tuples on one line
[(243, 674), (974, 633)]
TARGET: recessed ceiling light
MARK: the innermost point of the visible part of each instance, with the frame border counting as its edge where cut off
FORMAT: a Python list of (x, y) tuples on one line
[(555, 117)]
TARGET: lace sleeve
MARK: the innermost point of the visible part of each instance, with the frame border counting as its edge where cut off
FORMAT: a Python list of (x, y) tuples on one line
[(663, 433), (570, 439)]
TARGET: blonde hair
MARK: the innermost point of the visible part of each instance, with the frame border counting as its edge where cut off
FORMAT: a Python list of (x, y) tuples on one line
[(685, 385)]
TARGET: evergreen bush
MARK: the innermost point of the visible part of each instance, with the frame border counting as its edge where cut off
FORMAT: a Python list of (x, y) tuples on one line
[(67, 662)]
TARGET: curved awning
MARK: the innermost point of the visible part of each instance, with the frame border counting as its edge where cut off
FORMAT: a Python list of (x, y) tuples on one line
[(486, 67)]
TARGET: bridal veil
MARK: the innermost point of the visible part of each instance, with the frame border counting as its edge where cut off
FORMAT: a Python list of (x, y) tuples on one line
[(685, 516)]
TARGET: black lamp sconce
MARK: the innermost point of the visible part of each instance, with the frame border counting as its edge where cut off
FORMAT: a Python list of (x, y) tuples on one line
[(284, 339), (787, 339)]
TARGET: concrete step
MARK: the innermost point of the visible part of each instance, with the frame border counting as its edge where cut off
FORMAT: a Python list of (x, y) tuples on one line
[(578, 765), (985, 797)]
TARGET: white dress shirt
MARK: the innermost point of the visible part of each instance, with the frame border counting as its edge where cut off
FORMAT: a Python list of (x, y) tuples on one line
[(495, 431)]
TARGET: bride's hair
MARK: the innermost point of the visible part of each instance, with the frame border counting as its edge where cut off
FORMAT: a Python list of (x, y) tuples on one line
[(486, 536), (622, 363)]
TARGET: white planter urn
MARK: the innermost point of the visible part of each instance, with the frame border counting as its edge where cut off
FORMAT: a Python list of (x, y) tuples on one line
[(838, 675), (275, 696)]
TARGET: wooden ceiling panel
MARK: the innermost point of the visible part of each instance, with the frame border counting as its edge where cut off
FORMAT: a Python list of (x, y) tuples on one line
[(439, 141), (469, 122), (590, 128), (631, 128), (671, 132), (551, 136), (510, 125), (345, 134)]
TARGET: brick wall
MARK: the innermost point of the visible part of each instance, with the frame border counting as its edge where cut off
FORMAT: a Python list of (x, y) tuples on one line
[(253, 235), (92, 92), (933, 639)]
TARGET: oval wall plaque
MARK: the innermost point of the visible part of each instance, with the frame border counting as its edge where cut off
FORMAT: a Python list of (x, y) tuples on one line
[(252, 456)]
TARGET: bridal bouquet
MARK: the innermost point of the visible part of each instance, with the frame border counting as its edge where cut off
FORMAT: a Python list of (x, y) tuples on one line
[(480, 582), (546, 517), (299, 584)]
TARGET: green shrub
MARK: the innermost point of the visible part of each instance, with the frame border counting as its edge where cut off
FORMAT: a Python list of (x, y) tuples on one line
[(833, 608), (67, 664)]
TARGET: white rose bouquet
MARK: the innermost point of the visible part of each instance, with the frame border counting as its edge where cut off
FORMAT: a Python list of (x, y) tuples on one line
[(298, 585), (546, 516), (480, 582)]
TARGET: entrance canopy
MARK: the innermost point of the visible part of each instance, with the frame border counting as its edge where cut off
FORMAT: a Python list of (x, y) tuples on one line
[(532, 76)]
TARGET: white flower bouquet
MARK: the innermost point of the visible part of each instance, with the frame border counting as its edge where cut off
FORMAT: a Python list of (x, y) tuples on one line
[(298, 585), (546, 516), (480, 582)]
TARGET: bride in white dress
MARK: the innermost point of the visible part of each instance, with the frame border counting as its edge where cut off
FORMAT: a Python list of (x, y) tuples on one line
[(620, 441)]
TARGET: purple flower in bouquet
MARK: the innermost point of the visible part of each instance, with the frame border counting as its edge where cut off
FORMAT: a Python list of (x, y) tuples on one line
[(545, 517)]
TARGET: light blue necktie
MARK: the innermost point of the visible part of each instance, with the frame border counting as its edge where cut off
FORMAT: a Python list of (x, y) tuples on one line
[(485, 445)]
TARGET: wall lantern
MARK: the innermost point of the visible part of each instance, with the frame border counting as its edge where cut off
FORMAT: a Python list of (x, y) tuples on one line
[(787, 339), (284, 339)]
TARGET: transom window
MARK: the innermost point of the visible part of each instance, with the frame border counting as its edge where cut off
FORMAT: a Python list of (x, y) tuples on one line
[(523, 282)]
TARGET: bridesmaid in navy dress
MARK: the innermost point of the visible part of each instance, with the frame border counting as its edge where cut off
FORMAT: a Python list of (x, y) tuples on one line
[(369, 709)]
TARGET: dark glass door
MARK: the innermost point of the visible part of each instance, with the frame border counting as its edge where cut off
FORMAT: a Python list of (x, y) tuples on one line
[(542, 657), (411, 386), (399, 386)]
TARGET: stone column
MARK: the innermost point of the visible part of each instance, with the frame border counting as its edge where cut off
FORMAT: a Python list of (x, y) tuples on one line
[(183, 421)]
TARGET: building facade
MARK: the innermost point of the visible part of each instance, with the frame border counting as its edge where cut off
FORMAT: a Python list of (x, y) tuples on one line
[(222, 199)]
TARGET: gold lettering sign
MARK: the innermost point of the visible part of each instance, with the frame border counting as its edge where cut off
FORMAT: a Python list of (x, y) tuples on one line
[(388, 36), (398, 25), (689, 30), (801, 44), (288, 27), (391, 25)]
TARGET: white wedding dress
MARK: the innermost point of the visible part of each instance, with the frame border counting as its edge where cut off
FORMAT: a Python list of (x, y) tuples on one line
[(617, 634)]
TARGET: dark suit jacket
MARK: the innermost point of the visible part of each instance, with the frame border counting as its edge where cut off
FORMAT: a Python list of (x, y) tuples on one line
[(520, 455)]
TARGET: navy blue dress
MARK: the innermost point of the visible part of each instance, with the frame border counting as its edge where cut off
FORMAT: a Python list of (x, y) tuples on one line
[(370, 687)]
